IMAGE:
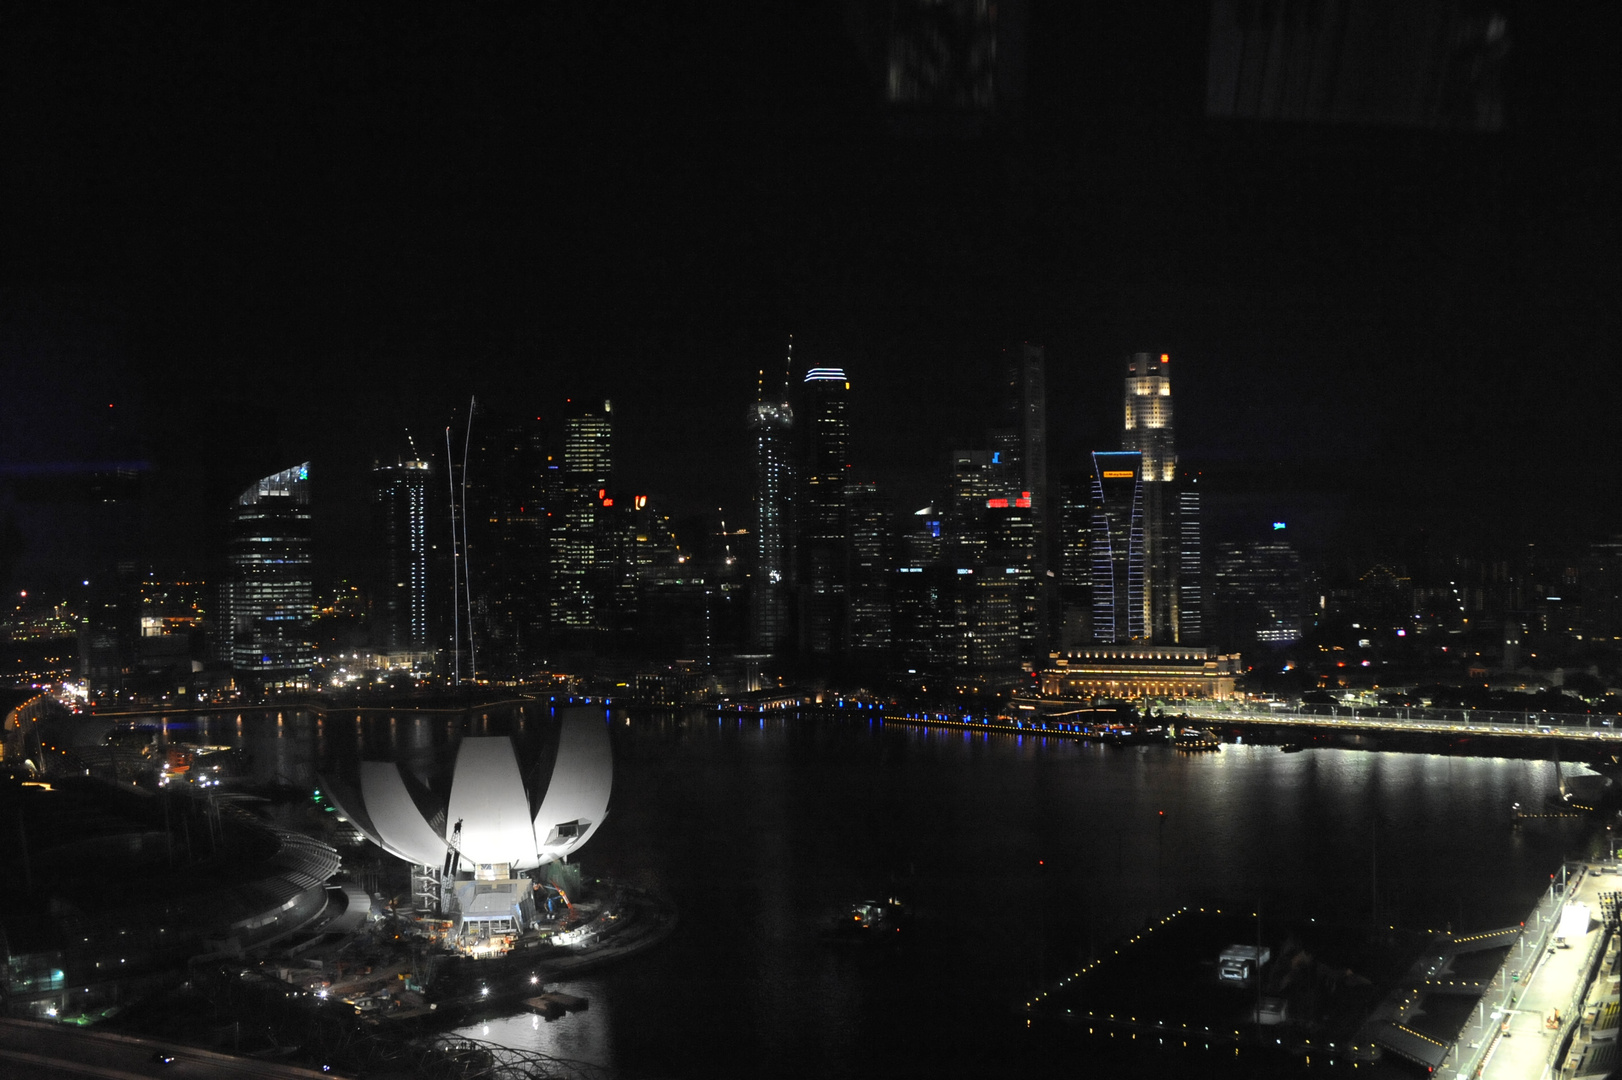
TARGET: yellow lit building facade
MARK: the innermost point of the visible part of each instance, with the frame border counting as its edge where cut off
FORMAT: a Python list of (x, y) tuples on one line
[(1140, 671)]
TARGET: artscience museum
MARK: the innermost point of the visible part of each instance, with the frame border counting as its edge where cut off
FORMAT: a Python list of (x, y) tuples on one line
[(471, 835)]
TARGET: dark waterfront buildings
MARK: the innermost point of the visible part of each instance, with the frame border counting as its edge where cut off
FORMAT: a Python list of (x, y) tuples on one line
[(268, 597)]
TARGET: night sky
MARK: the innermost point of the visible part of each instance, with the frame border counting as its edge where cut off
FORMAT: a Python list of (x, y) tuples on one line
[(278, 233)]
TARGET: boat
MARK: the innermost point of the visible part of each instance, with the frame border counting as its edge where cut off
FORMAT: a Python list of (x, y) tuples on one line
[(868, 922), (1196, 740)]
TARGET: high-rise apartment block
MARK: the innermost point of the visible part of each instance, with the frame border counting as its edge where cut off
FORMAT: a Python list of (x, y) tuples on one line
[(268, 597)]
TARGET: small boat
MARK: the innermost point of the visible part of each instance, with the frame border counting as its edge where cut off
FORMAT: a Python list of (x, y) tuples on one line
[(868, 921), (1196, 740)]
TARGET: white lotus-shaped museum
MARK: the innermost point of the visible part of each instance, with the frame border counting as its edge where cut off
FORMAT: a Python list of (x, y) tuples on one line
[(491, 816)]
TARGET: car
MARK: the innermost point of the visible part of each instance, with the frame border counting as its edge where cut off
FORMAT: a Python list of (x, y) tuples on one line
[(163, 1057)]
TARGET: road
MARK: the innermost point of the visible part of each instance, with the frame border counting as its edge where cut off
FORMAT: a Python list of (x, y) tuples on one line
[(1422, 721), (33, 1049)]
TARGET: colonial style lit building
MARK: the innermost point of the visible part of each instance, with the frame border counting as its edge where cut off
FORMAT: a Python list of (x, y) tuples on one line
[(1140, 671)]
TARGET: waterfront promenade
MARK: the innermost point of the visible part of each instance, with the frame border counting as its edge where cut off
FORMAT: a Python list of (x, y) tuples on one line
[(1514, 1034)]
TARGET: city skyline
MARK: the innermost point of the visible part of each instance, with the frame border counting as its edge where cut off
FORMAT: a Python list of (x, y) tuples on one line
[(1344, 299)]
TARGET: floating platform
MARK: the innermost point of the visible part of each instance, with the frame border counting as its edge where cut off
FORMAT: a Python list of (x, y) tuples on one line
[(554, 1005)]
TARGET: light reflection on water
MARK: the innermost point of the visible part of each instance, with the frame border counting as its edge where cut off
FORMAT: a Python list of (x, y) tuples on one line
[(762, 828)]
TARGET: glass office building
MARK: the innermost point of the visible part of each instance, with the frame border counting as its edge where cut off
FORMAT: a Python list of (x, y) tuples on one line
[(269, 596), (1120, 608)]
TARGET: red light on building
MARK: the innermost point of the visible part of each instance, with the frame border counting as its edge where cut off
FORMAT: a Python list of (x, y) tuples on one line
[(1165, 358), (641, 502), (608, 502), (996, 503)]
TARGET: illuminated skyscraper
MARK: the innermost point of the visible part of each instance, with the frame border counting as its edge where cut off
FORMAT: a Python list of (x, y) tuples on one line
[(400, 495), (771, 423), (583, 483), (1148, 427), (1116, 542), (868, 635), (1171, 510), (822, 516), (269, 595)]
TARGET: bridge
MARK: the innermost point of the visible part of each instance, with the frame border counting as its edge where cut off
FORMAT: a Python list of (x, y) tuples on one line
[(1593, 731)]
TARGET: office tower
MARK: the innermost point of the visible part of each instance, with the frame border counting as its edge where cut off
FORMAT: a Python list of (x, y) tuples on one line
[(1148, 431), (868, 633), (1028, 411), (1073, 561), (1116, 539), (1012, 542), (1259, 593), (973, 484), (1190, 562), (506, 560), (583, 479), (269, 596), (822, 522), (1019, 470), (1600, 577), (400, 592), (771, 423), (989, 646)]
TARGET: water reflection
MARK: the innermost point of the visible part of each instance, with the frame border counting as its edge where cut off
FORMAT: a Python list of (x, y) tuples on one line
[(1022, 855)]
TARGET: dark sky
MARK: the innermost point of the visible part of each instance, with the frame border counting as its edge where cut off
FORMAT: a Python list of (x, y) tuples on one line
[(285, 232)]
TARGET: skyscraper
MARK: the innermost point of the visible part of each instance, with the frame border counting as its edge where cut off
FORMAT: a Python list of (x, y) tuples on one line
[(772, 423), (822, 522), (269, 595), (868, 634), (400, 496), (1148, 426), (506, 528), (1171, 512), (583, 483), (1116, 541), (1027, 405), (1019, 463)]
